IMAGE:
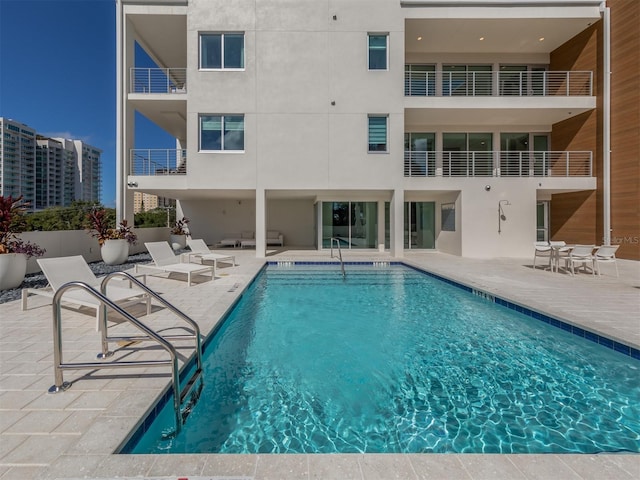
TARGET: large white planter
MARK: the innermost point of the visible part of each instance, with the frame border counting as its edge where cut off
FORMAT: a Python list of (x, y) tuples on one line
[(13, 268), (115, 252), (178, 241)]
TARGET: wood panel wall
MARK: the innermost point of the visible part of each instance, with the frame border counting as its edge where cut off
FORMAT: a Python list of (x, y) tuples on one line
[(578, 217), (625, 127)]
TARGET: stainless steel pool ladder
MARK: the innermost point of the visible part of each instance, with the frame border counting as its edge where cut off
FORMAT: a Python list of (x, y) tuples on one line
[(180, 395), (337, 240)]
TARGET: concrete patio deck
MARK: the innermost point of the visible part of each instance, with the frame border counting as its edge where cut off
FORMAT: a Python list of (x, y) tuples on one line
[(74, 434)]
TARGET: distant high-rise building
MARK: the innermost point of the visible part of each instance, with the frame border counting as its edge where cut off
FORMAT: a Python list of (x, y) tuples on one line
[(17, 160), (47, 171)]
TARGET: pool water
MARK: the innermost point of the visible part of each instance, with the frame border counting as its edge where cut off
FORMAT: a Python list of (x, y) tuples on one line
[(391, 360)]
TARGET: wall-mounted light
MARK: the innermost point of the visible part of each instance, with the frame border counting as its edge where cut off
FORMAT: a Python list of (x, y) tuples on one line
[(335, 17), (132, 184), (333, 102), (419, 38), (487, 187)]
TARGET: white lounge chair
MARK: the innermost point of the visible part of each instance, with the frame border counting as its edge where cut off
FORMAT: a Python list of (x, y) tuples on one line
[(165, 261), (200, 250), (581, 255), (605, 254), (542, 249), (61, 270)]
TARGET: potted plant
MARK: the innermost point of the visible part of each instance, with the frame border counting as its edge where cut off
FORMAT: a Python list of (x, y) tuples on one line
[(179, 233), (114, 242), (14, 251)]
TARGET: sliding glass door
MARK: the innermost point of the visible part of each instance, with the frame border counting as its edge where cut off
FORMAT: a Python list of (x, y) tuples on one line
[(354, 224), (419, 225)]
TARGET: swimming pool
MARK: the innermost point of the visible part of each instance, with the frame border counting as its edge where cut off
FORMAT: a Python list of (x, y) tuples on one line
[(393, 360)]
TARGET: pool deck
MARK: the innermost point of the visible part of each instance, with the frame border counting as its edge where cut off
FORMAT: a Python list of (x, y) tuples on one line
[(72, 435)]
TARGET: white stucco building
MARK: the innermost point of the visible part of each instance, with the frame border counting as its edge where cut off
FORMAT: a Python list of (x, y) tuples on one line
[(391, 124)]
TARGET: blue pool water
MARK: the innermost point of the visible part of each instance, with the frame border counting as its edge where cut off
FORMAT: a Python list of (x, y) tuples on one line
[(392, 360)]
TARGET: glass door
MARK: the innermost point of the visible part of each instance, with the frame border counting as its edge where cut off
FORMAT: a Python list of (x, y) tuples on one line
[(419, 222), (419, 80), (540, 155), (419, 154), (354, 224), (364, 224), (542, 221), (514, 154)]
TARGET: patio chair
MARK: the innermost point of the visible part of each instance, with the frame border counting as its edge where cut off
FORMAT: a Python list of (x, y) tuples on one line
[(543, 250), (581, 255), (605, 254), (199, 249), (61, 270), (165, 261), (559, 251)]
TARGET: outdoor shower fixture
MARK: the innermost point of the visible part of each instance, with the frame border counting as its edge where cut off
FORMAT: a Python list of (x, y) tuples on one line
[(501, 216)]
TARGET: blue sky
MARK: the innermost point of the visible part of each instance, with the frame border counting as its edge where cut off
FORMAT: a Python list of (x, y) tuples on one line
[(58, 75)]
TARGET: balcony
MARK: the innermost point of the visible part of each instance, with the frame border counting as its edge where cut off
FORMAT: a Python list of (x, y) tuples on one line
[(158, 80), (145, 162), (498, 84), (498, 164)]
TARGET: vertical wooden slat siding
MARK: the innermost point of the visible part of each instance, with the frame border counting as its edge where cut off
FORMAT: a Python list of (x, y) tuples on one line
[(578, 217), (574, 216), (625, 127)]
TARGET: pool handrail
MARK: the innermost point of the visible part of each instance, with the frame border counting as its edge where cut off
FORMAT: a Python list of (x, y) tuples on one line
[(337, 240), (60, 385)]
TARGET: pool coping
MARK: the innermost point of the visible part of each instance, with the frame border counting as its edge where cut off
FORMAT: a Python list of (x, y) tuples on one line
[(80, 448)]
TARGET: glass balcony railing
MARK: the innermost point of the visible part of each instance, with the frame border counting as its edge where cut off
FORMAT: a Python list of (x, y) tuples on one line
[(497, 164), (157, 161), (500, 84), (158, 80)]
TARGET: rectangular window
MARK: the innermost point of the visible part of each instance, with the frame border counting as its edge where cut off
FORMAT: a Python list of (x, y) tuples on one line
[(377, 133), (220, 51), (378, 51), (221, 133), (448, 217)]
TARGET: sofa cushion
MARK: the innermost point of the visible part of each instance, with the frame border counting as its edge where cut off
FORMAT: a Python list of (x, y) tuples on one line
[(246, 235), (273, 234)]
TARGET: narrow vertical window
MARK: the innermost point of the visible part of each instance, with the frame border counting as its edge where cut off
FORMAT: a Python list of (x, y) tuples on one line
[(220, 51), (377, 133), (378, 57)]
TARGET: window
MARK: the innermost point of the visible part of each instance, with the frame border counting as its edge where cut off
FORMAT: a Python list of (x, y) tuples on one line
[(377, 133), (378, 51), (448, 217), (220, 51), (221, 133)]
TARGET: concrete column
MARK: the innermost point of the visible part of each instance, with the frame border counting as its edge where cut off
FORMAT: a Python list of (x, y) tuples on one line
[(397, 223), (125, 116), (261, 223)]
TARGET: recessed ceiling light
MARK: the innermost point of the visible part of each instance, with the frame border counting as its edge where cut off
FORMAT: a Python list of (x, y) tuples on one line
[(481, 38), (419, 38), (541, 39)]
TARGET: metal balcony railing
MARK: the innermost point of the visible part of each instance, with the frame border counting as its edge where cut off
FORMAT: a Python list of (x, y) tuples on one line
[(500, 84), (157, 161), (497, 164), (158, 80)]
